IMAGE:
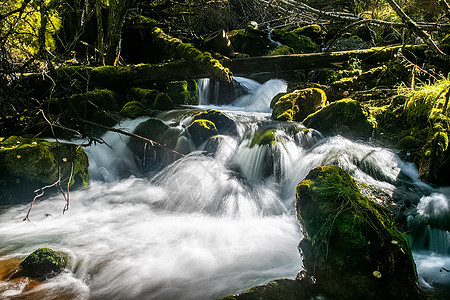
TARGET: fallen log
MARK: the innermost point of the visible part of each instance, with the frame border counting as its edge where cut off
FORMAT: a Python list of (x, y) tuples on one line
[(282, 66)]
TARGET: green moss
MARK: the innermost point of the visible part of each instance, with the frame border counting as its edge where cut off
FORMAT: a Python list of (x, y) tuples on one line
[(249, 41), (281, 50), (346, 117), (313, 31), (202, 60), (163, 102), (43, 263), (183, 92), (267, 137), (351, 237), (36, 162), (276, 98), (201, 130), (145, 96), (133, 110), (224, 124), (300, 43), (298, 105)]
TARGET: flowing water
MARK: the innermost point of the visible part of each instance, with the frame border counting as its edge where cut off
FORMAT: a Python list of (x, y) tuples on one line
[(214, 222)]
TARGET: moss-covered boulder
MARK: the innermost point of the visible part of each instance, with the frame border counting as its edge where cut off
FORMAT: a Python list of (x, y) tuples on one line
[(298, 105), (98, 106), (281, 50), (144, 96), (298, 42), (183, 92), (264, 137), (224, 124), (134, 109), (346, 117), (42, 264), (163, 102), (351, 245), (201, 130), (151, 156), (280, 289), (28, 164), (313, 31), (250, 41)]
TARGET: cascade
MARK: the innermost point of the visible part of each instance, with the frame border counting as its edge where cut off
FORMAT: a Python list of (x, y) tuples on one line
[(215, 222)]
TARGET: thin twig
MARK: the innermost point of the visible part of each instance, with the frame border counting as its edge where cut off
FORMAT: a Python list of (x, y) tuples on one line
[(38, 196)]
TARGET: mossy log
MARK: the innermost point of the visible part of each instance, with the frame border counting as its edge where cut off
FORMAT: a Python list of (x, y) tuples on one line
[(144, 75), (202, 60)]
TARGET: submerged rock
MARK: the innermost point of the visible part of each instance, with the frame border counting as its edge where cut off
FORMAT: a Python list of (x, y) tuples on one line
[(201, 130), (298, 105), (42, 264), (28, 164), (351, 245), (280, 289), (346, 117)]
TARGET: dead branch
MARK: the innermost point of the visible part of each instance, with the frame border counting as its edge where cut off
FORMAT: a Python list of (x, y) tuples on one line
[(130, 134), (414, 27), (38, 195)]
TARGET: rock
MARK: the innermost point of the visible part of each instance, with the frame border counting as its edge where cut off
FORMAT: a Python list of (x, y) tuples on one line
[(313, 31), (97, 106), (345, 117), (281, 50), (144, 96), (201, 130), (42, 264), (182, 92), (351, 245), (221, 92), (264, 137), (298, 105), (347, 44), (224, 124), (134, 109), (163, 102), (250, 41), (298, 42), (28, 164), (280, 289), (219, 42), (153, 157)]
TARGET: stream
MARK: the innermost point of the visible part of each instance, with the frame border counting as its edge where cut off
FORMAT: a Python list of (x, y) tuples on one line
[(213, 223)]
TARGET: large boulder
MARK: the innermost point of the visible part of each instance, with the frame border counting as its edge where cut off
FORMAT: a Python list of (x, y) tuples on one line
[(298, 105), (224, 124), (42, 264), (201, 130), (250, 41), (158, 153), (346, 117), (351, 245), (294, 39), (134, 109), (28, 164), (182, 92)]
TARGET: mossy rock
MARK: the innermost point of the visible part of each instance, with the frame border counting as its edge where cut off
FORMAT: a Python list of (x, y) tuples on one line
[(98, 106), (224, 124), (163, 102), (276, 98), (264, 137), (313, 31), (29, 164), (201, 130), (183, 92), (347, 44), (351, 246), (281, 50), (298, 105), (144, 96), (280, 289), (42, 264), (300, 43), (250, 41), (346, 117), (152, 157), (134, 109)]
